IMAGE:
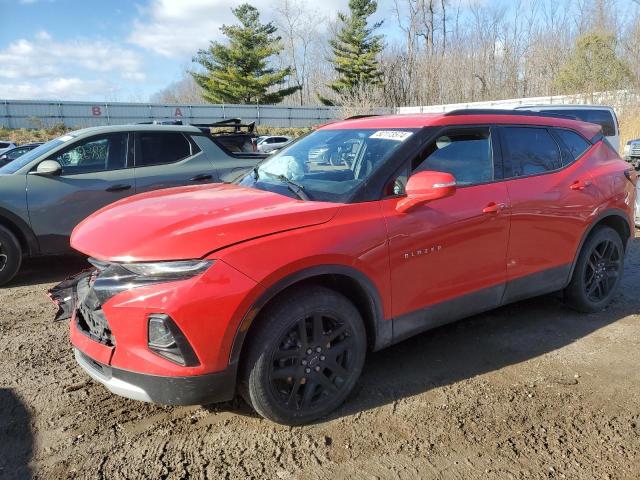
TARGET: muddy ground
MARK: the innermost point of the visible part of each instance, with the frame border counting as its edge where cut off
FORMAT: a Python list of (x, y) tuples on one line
[(532, 390)]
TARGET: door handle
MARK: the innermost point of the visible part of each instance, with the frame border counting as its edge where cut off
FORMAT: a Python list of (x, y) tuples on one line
[(580, 185), (202, 176), (118, 187), (494, 208)]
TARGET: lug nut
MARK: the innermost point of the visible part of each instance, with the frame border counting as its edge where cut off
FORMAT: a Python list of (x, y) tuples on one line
[(304, 362), (308, 370), (322, 357), (318, 349), (317, 368), (309, 352)]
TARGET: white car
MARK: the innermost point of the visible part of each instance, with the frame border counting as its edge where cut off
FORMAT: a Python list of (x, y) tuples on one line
[(6, 145), (598, 114), (272, 143)]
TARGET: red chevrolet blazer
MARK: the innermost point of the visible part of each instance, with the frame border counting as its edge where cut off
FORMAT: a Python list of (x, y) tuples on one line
[(354, 237)]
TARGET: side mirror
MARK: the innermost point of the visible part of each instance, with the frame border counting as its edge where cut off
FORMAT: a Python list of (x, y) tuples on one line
[(425, 187), (49, 167), (4, 157)]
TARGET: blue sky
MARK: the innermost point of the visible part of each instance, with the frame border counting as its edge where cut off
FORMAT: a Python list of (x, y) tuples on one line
[(117, 50), (112, 50)]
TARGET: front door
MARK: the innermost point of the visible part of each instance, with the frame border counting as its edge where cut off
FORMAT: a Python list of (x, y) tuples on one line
[(94, 174), (447, 257)]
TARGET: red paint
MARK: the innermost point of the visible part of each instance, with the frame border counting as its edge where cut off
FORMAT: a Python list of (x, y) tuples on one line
[(470, 239)]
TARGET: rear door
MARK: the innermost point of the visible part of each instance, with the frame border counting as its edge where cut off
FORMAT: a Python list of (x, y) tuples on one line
[(95, 173), (552, 197), (170, 159)]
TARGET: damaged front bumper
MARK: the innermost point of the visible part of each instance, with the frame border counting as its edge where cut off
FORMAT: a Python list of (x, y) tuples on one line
[(65, 297)]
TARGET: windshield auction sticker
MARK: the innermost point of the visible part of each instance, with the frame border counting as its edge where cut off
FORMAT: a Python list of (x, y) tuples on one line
[(397, 135)]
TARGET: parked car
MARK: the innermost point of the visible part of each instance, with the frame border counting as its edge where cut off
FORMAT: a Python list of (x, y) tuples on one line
[(278, 285), (632, 153), (5, 145), (76, 174), (268, 144), (600, 115), (12, 154)]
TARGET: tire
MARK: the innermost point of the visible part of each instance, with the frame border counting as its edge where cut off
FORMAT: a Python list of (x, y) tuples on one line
[(10, 256), (305, 356), (598, 271)]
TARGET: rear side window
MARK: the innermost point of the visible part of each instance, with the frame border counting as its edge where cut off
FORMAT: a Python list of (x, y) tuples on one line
[(158, 148), (604, 118), (4, 145), (573, 145), (531, 151), (464, 153)]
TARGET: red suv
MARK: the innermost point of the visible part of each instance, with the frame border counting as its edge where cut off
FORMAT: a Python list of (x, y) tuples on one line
[(277, 285)]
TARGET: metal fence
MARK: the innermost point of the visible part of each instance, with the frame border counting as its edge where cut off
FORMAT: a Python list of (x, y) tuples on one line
[(42, 114)]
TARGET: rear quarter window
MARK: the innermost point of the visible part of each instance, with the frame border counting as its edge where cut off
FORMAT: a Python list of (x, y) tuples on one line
[(573, 145)]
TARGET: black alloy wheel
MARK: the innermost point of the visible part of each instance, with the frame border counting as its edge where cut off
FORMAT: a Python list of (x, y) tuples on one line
[(597, 271), (304, 356)]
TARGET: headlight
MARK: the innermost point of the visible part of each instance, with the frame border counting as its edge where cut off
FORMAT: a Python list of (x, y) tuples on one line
[(175, 270), (627, 149)]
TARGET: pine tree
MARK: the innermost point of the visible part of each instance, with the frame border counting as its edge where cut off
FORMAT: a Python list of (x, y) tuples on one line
[(239, 71), (355, 48)]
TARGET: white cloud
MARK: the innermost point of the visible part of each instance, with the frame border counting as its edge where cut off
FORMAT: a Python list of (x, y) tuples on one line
[(44, 57), (178, 29), (55, 89)]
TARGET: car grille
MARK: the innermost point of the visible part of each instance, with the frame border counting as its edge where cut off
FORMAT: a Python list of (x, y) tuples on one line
[(635, 150), (89, 314)]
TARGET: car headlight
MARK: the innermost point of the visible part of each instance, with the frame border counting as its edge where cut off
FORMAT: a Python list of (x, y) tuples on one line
[(627, 149), (173, 270)]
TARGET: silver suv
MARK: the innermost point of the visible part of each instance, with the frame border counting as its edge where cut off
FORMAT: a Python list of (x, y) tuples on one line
[(69, 178)]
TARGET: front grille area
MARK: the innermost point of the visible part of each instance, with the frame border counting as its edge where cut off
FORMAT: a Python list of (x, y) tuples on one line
[(89, 314), (635, 150)]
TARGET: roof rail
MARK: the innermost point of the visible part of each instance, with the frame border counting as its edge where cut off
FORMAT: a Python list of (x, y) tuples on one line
[(516, 113), (162, 122)]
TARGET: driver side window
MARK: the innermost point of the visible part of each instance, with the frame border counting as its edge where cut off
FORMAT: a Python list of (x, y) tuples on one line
[(96, 154), (465, 153)]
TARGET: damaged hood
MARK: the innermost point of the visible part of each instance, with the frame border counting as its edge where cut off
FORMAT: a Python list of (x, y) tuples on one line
[(190, 222)]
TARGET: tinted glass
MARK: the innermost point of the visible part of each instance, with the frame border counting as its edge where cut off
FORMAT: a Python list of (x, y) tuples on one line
[(4, 145), (16, 152), (158, 148), (573, 145), (465, 153), (328, 164), (599, 117), (96, 154), (531, 150)]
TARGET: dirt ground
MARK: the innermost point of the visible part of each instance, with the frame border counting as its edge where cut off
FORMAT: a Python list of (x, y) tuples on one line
[(532, 390)]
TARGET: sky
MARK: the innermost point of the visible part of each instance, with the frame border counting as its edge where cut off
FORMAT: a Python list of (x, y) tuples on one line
[(108, 50)]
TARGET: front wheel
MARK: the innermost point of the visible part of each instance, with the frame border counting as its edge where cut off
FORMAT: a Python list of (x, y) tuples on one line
[(10, 256), (598, 271), (305, 356)]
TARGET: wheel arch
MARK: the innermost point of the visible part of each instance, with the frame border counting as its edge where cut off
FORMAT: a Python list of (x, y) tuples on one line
[(21, 230), (354, 284), (614, 218)]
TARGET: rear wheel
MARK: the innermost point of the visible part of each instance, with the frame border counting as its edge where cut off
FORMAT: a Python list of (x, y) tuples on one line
[(10, 255), (305, 357), (598, 271)]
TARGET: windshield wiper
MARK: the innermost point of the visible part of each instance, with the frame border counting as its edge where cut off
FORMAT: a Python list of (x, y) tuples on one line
[(294, 187)]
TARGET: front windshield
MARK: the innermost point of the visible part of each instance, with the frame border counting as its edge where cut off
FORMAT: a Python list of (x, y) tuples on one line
[(22, 160), (327, 165)]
